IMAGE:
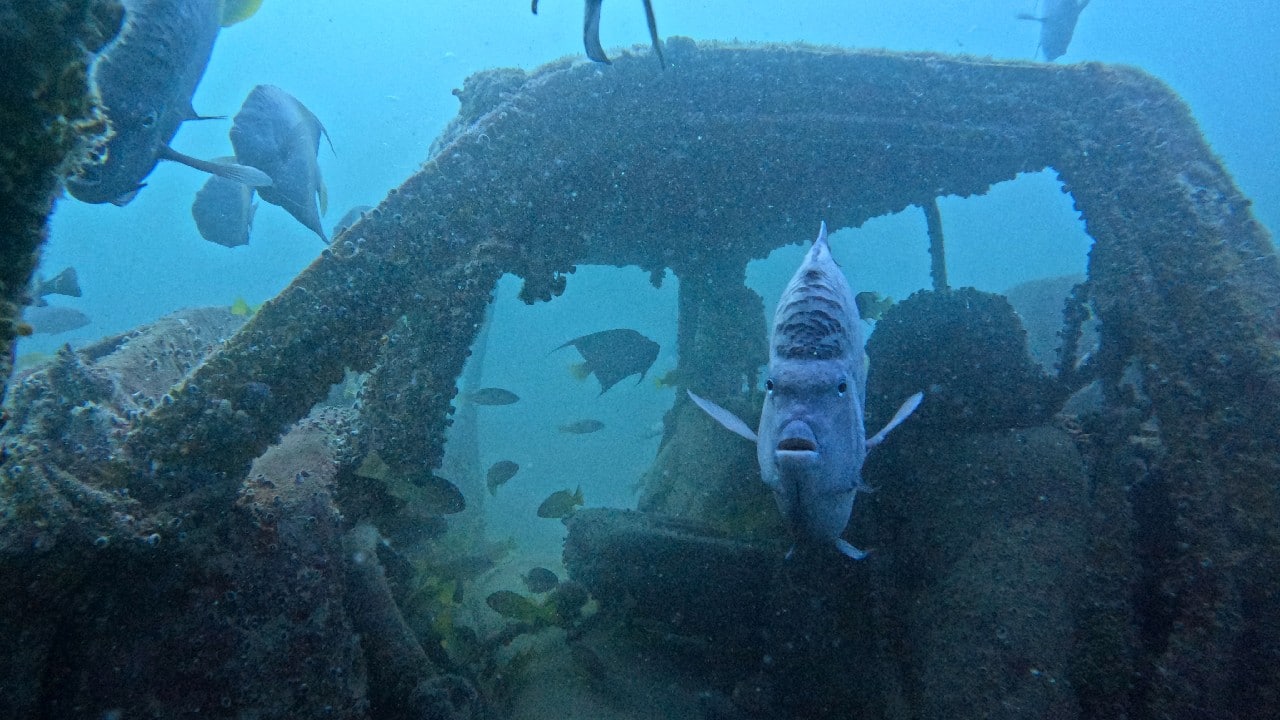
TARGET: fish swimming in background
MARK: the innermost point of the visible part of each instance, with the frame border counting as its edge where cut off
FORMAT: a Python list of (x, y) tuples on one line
[(612, 355), (540, 580), (278, 135), (870, 305), (591, 31), (349, 219), (1057, 25), (146, 78), (437, 495), (54, 319), (582, 427), (812, 441), (492, 396), (560, 503), (64, 283), (223, 210), (498, 475)]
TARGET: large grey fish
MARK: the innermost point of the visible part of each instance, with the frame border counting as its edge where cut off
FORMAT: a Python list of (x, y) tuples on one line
[(612, 355), (280, 136), (146, 78), (223, 210), (812, 441), (591, 31), (1057, 25)]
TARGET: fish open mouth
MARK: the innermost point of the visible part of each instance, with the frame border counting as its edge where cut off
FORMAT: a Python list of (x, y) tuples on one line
[(797, 444)]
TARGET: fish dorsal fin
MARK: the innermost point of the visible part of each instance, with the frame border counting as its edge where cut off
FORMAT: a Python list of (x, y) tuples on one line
[(903, 413), (731, 422)]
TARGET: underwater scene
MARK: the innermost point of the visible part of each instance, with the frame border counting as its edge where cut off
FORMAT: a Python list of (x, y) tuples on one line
[(706, 360)]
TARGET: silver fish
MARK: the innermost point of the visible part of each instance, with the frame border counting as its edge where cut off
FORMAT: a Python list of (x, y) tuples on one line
[(146, 78), (1057, 25), (811, 440), (278, 135)]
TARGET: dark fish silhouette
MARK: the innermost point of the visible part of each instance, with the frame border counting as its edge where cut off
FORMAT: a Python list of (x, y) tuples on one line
[(812, 441), (540, 580), (582, 427), (499, 473), (438, 496), (493, 396), (1057, 25), (350, 219), (223, 210), (54, 319), (146, 78), (612, 355), (591, 31), (64, 283), (278, 135)]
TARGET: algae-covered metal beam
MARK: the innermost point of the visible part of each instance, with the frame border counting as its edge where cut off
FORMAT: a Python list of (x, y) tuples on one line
[(48, 121)]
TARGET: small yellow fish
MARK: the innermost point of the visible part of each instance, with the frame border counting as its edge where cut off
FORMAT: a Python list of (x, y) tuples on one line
[(234, 11), (560, 504), (241, 308)]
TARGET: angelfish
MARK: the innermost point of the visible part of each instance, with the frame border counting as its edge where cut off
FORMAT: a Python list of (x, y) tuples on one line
[(811, 440)]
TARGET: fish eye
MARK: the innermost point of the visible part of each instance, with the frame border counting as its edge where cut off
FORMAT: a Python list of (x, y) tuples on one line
[(768, 385), (842, 388), (149, 119)]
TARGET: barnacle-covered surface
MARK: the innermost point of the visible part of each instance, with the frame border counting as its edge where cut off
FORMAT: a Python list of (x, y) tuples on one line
[(49, 122), (730, 153)]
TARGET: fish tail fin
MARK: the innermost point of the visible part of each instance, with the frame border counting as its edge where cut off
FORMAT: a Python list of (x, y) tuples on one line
[(535, 7), (591, 33), (580, 370), (64, 283), (653, 32), (850, 551), (244, 174)]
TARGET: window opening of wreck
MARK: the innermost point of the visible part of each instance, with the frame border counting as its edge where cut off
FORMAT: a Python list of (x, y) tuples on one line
[(520, 355), (1022, 232)]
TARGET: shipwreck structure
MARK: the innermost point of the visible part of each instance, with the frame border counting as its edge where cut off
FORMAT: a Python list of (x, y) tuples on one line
[(248, 593)]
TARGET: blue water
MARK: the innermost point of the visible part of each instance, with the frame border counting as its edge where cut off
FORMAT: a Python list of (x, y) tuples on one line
[(379, 77)]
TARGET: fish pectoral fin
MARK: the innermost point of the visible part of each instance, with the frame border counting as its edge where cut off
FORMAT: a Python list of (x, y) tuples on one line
[(244, 174), (903, 413), (730, 421), (843, 546)]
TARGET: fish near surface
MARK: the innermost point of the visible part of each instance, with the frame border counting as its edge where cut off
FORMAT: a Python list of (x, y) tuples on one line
[(146, 78), (591, 30), (812, 441), (1057, 25), (278, 135)]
